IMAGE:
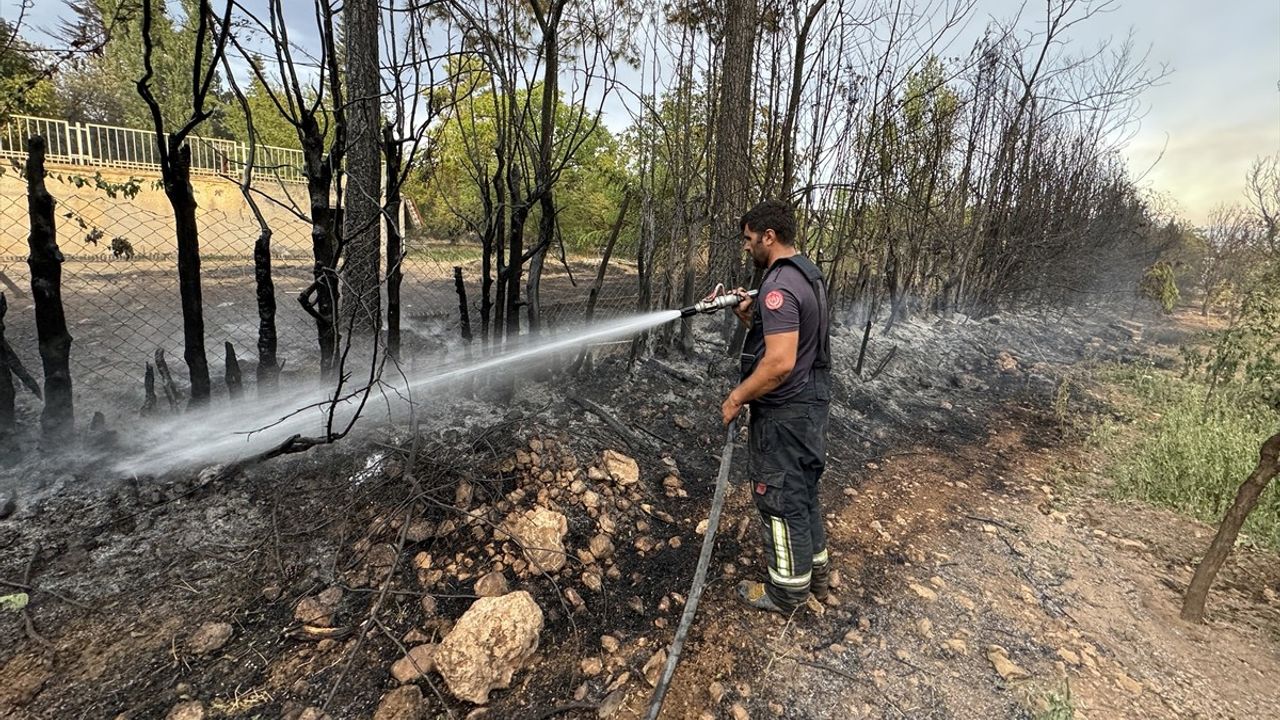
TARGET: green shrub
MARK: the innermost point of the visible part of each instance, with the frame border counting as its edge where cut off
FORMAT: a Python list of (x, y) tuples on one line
[(1189, 454), (1159, 283), (1056, 704)]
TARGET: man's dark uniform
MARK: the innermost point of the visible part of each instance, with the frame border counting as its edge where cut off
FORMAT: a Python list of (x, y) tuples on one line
[(788, 435)]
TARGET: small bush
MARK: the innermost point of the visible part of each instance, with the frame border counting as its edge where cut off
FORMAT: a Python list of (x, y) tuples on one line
[(1056, 704), (1159, 283), (1189, 454)]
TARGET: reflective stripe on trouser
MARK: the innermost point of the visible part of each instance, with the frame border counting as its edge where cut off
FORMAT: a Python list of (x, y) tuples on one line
[(787, 456), (789, 573)]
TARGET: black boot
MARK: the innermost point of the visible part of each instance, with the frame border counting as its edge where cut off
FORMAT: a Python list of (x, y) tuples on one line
[(820, 582)]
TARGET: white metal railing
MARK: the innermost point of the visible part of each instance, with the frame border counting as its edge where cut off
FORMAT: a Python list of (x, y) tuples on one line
[(97, 145)]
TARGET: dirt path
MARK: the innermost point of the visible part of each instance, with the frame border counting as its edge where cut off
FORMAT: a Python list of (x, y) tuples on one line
[(947, 556)]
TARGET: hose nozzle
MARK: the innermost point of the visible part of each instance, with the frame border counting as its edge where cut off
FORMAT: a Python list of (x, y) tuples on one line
[(715, 302)]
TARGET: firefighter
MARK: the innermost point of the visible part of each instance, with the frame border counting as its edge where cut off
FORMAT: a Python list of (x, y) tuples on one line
[(786, 381)]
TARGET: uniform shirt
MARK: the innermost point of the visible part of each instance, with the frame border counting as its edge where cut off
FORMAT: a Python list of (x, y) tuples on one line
[(787, 304)]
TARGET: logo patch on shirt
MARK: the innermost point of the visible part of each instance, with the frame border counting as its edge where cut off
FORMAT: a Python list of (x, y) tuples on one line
[(773, 300)]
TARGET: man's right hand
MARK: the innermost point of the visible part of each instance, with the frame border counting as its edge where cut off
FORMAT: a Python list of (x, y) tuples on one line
[(744, 308)]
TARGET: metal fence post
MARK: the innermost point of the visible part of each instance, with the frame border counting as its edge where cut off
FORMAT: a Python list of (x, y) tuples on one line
[(66, 148)]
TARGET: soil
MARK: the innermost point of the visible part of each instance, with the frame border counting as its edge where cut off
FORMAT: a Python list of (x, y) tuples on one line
[(121, 311), (964, 513)]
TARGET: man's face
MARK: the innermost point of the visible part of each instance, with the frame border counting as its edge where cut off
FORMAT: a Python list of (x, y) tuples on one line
[(756, 244)]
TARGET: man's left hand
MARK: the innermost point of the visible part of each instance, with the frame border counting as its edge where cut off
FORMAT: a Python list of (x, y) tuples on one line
[(730, 409)]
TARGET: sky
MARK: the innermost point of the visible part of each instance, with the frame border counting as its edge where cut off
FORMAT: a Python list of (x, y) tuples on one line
[(1216, 111)]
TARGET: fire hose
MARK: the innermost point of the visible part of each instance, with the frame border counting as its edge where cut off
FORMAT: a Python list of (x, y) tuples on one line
[(699, 575)]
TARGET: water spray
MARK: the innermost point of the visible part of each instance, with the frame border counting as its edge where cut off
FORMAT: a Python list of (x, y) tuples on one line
[(241, 430)]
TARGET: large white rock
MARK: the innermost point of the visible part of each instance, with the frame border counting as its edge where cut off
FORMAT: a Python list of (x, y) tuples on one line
[(540, 532), (493, 639), (623, 470)]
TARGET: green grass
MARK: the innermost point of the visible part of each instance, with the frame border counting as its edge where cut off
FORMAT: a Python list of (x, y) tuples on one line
[(1178, 451), (446, 253), (1056, 705)]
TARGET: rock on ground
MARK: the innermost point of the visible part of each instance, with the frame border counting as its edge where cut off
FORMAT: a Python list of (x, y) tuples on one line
[(493, 639), (492, 584), (623, 470), (191, 710), (653, 668), (1009, 670), (209, 637), (611, 704), (417, 662), (403, 703), (540, 532), (318, 609)]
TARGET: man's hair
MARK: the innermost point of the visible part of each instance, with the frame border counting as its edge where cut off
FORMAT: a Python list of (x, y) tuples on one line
[(774, 215)]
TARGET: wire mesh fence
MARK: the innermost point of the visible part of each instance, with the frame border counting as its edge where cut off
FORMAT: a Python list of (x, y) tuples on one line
[(120, 285)]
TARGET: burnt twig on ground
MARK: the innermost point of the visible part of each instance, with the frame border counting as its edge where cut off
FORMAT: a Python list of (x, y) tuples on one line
[(28, 625), (372, 615), (677, 373), (993, 521), (11, 358), (880, 368), (632, 440), (31, 589), (862, 352)]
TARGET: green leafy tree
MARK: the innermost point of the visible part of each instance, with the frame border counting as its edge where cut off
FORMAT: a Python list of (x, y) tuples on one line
[(1248, 351), (1160, 284), (270, 125), (102, 87), (25, 84), (446, 187)]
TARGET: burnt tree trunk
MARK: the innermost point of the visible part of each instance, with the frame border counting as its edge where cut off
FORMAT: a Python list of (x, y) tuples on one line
[(549, 23), (7, 395), (149, 392), (464, 317), (171, 391), (515, 265), (645, 250), (320, 300), (57, 420), (362, 197), (492, 227), (1246, 500), (394, 154), (533, 288), (268, 370), (732, 161), (231, 373), (862, 351), (177, 186), (793, 102)]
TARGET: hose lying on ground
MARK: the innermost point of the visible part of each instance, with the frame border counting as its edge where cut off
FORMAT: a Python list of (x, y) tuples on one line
[(699, 576)]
